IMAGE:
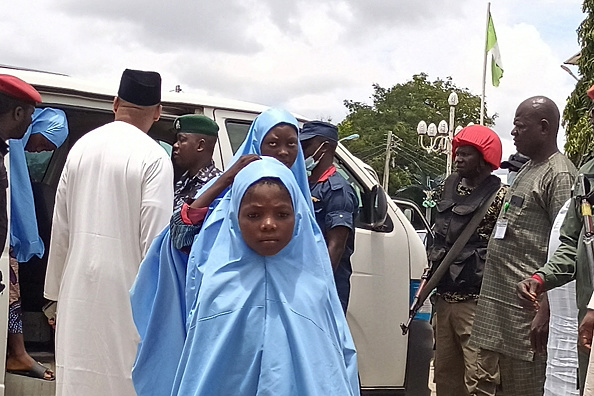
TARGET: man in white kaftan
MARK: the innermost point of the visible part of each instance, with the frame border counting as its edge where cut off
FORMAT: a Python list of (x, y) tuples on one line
[(113, 198)]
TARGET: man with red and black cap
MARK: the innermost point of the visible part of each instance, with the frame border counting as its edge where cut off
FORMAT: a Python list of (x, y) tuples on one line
[(477, 151), (114, 196), (570, 262), (513, 340), (334, 201)]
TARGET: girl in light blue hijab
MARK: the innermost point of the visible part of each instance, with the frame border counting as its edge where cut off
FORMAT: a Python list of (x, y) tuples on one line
[(266, 319), (50, 124), (47, 132), (166, 281)]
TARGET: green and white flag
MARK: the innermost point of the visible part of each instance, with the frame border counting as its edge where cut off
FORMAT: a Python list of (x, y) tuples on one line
[(493, 46)]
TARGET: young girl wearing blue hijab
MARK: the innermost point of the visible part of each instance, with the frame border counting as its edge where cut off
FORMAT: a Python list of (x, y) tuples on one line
[(47, 132), (266, 319), (166, 285)]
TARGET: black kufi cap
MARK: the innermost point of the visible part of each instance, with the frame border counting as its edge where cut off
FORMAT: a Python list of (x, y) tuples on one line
[(142, 88)]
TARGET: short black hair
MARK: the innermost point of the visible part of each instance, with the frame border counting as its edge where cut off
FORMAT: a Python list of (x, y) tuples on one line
[(8, 103)]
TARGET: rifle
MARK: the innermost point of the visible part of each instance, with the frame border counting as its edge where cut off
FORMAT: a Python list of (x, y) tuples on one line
[(415, 306), (429, 283), (582, 195)]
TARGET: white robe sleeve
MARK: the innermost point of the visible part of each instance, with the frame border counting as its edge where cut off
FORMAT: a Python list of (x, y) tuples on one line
[(59, 244), (157, 201)]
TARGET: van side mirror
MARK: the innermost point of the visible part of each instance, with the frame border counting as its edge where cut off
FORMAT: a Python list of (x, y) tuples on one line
[(379, 206)]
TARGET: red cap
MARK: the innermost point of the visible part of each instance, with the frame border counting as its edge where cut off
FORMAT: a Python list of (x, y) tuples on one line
[(591, 92), (484, 139), (18, 89)]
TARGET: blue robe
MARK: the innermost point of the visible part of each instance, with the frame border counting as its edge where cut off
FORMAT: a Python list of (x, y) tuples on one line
[(24, 235), (160, 298), (265, 325)]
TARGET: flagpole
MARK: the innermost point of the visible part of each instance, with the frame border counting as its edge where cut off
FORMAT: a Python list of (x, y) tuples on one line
[(482, 118)]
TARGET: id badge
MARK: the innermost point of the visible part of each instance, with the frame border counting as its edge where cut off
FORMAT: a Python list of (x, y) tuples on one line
[(500, 228)]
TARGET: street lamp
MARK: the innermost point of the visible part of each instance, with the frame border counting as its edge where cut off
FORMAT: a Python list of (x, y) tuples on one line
[(350, 137), (441, 136)]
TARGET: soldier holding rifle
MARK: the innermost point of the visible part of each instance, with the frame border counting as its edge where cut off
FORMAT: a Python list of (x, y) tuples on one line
[(469, 204)]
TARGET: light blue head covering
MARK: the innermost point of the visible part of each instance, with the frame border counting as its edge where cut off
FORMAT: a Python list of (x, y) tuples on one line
[(262, 325), (160, 293), (24, 235), (253, 142)]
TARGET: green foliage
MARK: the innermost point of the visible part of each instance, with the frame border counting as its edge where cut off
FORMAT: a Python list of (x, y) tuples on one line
[(575, 115), (400, 109)]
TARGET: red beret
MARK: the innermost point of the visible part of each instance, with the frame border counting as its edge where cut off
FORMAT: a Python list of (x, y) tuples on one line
[(484, 140), (18, 89), (591, 92)]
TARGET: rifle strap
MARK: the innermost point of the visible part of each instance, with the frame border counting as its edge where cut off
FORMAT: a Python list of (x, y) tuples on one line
[(456, 248)]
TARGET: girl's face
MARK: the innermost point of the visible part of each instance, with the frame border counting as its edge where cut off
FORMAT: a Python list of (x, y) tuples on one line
[(281, 143), (38, 143), (266, 218)]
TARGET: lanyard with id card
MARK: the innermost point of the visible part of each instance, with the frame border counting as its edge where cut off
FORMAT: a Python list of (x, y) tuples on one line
[(501, 225)]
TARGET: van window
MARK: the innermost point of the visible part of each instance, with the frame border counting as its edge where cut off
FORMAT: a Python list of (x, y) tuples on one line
[(237, 131), (167, 146)]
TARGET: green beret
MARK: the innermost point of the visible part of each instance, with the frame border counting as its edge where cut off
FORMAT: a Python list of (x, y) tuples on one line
[(193, 123)]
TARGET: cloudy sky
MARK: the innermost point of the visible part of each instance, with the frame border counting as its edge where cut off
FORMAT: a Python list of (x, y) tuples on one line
[(305, 55)]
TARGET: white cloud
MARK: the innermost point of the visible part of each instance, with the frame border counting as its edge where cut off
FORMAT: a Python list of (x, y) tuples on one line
[(305, 55)]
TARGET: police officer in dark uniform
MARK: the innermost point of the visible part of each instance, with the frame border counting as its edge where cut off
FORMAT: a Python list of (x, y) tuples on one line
[(334, 201)]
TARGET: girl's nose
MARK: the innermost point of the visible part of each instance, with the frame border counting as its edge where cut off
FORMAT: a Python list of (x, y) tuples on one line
[(268, 224)]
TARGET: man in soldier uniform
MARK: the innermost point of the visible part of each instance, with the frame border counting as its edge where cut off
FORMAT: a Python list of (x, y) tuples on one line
[(192, 152)]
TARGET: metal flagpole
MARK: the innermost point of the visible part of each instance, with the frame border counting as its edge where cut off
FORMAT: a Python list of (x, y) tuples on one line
[(482, 119)]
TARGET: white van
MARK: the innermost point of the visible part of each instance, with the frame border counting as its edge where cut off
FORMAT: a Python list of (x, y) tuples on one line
[(388, 261)]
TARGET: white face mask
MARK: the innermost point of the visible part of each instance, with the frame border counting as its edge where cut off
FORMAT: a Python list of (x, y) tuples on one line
[(311, 163), (511, 176)]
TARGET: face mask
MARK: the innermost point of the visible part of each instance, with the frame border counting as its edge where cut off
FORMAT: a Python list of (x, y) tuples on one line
[(311, 163), (511, 176)]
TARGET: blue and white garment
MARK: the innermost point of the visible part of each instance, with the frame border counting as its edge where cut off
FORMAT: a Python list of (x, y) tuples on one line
[(159, 296), (265, 325), (24, 235)]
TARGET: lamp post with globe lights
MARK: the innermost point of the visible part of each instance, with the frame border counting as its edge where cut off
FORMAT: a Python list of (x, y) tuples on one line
[(440, 141), (440, 136)]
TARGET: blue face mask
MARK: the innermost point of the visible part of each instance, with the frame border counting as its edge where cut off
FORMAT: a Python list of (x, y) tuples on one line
[(311, 163)]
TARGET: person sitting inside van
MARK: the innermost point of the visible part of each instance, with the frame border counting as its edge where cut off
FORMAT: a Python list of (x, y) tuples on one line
[(48, 131), (266, 317)]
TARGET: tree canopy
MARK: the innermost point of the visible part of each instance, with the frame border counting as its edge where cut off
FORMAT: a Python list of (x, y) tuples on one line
[(575, 116), (400, 109)]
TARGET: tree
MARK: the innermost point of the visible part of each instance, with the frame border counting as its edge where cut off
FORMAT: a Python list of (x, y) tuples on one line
[(400, 109), (575, 116)]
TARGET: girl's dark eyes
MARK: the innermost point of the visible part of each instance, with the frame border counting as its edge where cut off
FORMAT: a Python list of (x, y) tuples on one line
[(253, 215)]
